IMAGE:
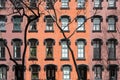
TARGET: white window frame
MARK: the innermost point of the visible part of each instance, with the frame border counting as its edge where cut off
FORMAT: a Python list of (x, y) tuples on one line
[(96, 24), (111, 24), (64, 24), (80, 3), (81, 24), (64, 50), (66, 73), (64, 3), (3, 73), (111, 3), (97, 3)]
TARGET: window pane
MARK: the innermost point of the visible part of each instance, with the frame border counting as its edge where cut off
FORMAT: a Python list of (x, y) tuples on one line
[(96, 24), (66, 73), (81, 3), (64, 49), (111, 3), (80, 45), (49, 24), (80, 24), (111, 24), (64, 22), (2, 25)]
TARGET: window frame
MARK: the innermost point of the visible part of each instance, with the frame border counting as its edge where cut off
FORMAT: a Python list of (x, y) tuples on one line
[(3, 71), (2, 49), (48, 4), (64, 4), (66, 72), (3, 20), (81, 4), (97, 4), (2, 4), (33, 4), (112, 5)]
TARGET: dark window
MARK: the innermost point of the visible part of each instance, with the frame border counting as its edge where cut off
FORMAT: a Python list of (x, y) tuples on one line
[(2, 49), (2, 3), (2, 22), (97, 3), (33, 26), (3, 72), (113, 72), (17, 23), (80, 4), (33, 48), (98, 72), (111, 49), (97, 49), (33, 3), (35, 72), (49, 48), (96, 24), (83, 71), (17, 4), (64, 3), (50, 72), (17, 48), (111, 3), (50, 4), (49, 23)]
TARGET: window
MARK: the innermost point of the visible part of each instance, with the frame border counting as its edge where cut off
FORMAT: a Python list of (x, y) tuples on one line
[(112, 48), (81, 24), (112, 22), (98, 72), (33, 3), (80, 4), (2, 49), (49, 4), (66, 72), (64, 3), (17, 23), (49, 23), (49, 48), (50, 72), (64, 49), (96, 24), (34, 72), (33, 48), (17, 48), (17, 4), (81, 48), (2, 3), (97, 3), (82, 68), (113, 68), (111, 3), (2, 22), (65, 23), (97, 48), (3, 72)]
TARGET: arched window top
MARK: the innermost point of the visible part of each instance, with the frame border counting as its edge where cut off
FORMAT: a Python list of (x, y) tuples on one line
[(83, 66), (112, 16), (81, 39), (33, 40), (97, 39), (49, 40), (98, 65), (80, 16), (17, 17), (113, 66), (3, 41), (97, 16), (16, 40), (33, 16), (66, 65), (3, 18), (34, 66), (65, 16), (112, 39), (18, 66), (49, 17), (50, 66), (6, 66), (63, 40)]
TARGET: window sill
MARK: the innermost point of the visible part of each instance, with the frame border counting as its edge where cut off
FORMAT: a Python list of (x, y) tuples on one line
[(95, 59), (2, 30), (114, 59), (66, 31), (80, 59), (81, 31), (96, 31), (2, 59), (30, 59), (33, 31), (80, 8), (64, 8), (111, 31), (16, 31), (64, 59), (51, 59), (17, 59), (3, 7), (97, 8), (31, 7), (18, 7), (112, 8), (49, 31)]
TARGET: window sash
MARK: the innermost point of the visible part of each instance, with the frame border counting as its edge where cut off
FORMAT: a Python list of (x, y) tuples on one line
[(111, 24), (81, 3), (81, 51), (17, 51), (111, 3), (3, 73), (33, 51), (98, 73), (113, 73), (66, 73), (64, 22), (65, 3), (2, 25), (2, 3), (2, 52), (97, 3), (81, 26), (49, 24), (96, 24), (64, 49), (33, 3)]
